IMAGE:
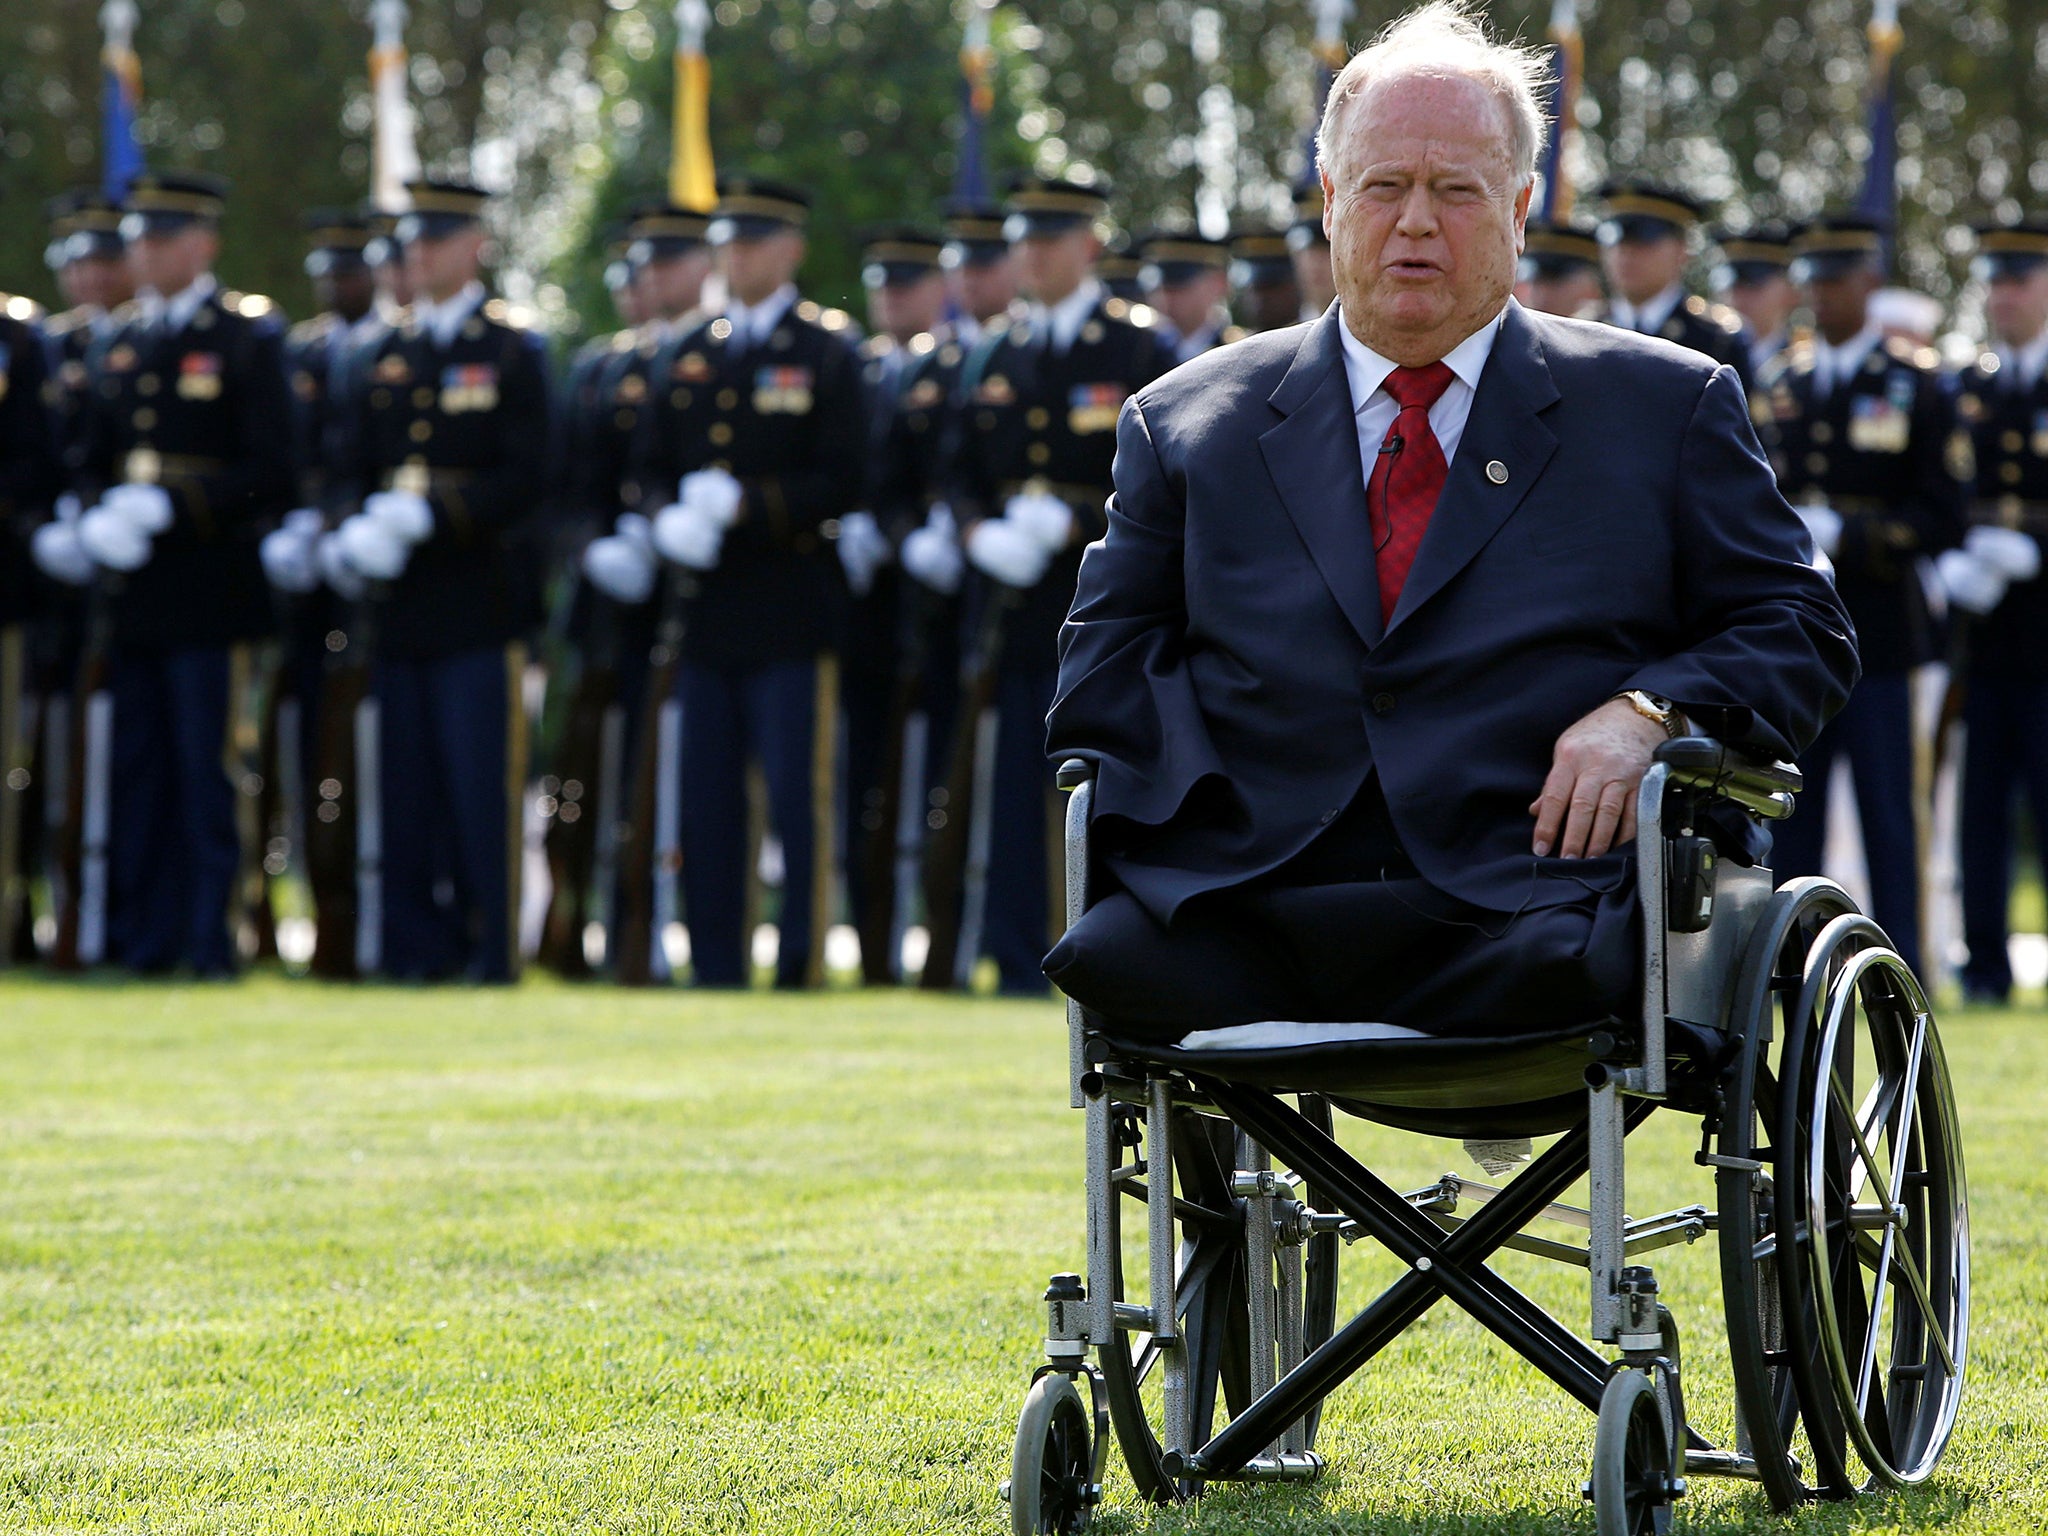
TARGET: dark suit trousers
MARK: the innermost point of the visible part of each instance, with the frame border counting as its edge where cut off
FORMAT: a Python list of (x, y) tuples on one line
[(2005, 753)]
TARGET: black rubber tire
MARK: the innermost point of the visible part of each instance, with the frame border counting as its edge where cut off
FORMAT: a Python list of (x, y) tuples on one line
[(1632, 1476), (1051, 1462)]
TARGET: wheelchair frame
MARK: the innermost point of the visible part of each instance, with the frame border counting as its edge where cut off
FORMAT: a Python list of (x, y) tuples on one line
[(1795, 1229)]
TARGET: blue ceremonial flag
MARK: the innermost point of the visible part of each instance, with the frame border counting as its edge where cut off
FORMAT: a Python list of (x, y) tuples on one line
[(1568, 51), (121, 97), (977, 100), (1879, 198)]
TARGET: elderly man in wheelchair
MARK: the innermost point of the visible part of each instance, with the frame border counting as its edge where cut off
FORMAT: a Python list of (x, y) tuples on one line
[(1425, 709)]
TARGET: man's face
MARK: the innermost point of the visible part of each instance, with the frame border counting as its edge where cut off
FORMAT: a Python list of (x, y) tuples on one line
[(440, 265), (345, 290), (172, 260), (1268, 306), (672, 286), (1642, 269), (984, 289), (2017, 306), (629, 300), (1425, 223), (1314, 276), (755, 268), (1841, 301), (1189, 305), (903, 310), (1049, 267), (1765, 304), (1565, 293)]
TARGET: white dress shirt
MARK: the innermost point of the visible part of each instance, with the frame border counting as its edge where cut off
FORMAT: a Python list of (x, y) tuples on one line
[(443, 320), (752, 323), (1375, 409), (1764, 349), (173, 314), (2019, 368), (1062, 322), (1835, 366), (1650, 318)]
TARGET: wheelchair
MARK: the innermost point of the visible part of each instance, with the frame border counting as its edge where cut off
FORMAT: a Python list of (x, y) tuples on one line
[(1781, 1017)]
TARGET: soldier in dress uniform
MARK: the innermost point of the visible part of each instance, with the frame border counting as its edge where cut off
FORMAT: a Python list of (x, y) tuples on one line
[(1996, 579), (1262, 275), (981, 280), (1863, 438), (1186, 280), (1753, 279), (755, 442), (1309, 244), (1646, 239), (613, 621), (449, 431), (28, 485), (1040, 401), (1119, 269), (188, 446), (1559, 272), (903, 272), (90, 262)]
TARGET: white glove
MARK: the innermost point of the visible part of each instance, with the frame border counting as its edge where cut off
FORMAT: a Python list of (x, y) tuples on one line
[(932, 553), (863, 550), (148, 507), (1001, 549), (714, 492), (113, 540), (289, 560), (307, 522), (1824, 526), (60, 555), (688, 535), (68, 508), (1972, 583), (620, 567), (1044, 517), (335, 570), (404, 513), (635, 527), (2014, 555), (372, 547)]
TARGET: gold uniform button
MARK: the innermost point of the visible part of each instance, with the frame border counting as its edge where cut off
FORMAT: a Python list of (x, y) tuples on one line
[(144, 418), (622, 420), (2012, 442), (1038, 453), (148, 384), (380, 398), (422, 398), (2009, 473), (1816, 463), (680, 399), (1823, 433), (720, 434), (728, 398), (420, 431), (1037, 418)]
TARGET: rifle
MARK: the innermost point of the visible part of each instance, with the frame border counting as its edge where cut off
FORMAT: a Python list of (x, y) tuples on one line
[(331, 831), (962, 837), (16, 776), (582, 818), (889, 850), (79, 865), (650, 843)]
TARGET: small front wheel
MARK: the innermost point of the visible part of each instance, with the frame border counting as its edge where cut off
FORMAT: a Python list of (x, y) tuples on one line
[(1052, 1467), (1632, 1485)]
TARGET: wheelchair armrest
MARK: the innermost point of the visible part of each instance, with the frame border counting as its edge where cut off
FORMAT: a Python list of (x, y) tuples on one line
[(1702, 762), (1075, 772)]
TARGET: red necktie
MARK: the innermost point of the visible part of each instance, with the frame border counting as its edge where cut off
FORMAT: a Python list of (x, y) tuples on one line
[(1407, 478)]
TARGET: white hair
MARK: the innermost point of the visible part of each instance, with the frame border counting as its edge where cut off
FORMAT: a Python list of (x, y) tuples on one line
[(1445, 39)]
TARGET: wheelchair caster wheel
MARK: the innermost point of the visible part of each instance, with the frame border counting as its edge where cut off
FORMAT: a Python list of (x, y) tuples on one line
[(1052, 1489), (1633, 1482)]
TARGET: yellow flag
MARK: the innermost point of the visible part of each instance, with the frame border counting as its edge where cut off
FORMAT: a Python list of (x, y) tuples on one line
[(691, 180)]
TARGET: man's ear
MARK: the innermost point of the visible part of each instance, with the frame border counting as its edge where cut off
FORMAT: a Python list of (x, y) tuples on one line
[(1330, 195), (1522, 214)]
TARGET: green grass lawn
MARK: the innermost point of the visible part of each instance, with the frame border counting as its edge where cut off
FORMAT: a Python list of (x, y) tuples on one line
[(290, 1258)]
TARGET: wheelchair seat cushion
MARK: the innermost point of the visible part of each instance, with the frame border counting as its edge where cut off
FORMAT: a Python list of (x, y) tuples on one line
[(1395, 951)]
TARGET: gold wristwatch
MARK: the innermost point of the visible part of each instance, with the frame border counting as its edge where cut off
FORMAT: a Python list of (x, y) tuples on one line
[(1662, 711)]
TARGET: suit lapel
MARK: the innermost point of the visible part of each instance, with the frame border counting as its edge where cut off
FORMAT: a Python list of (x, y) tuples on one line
[(1505, 429), (1313, 458)]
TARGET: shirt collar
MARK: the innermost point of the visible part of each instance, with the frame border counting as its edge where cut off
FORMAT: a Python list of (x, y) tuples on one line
[(175, 312), (1843, 361), (752, 323), (1368, 370), (1063, 321), (966, 330), (1650, 317), (2026, 362), (444, 318)]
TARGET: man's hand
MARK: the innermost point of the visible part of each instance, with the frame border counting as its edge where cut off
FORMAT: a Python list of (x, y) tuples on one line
[(1594, 774)]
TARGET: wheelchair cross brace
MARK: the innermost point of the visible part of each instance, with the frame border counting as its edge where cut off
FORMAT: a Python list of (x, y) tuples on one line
[(1440, 1265)]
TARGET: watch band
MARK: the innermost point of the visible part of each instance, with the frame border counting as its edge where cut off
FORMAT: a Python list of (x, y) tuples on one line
[(1660, 710)]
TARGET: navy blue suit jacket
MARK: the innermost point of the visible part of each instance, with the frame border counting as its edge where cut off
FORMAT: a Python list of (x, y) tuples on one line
[(1225, 664)]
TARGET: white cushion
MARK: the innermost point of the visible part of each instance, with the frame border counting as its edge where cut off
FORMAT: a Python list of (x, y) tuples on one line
[(1277, 1034)]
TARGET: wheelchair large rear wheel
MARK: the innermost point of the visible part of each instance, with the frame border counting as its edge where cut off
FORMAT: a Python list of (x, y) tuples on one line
[(1210, 1300), (1873, 1192), (1748, 1171)]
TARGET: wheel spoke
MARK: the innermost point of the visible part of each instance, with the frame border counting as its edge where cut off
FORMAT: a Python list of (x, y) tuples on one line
[(1869, 1158), (1870, 1334), (1918, 1284), (1902, 1133)]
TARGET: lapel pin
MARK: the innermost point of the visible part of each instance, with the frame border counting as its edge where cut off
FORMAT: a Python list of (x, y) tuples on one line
[(1496, 471)]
